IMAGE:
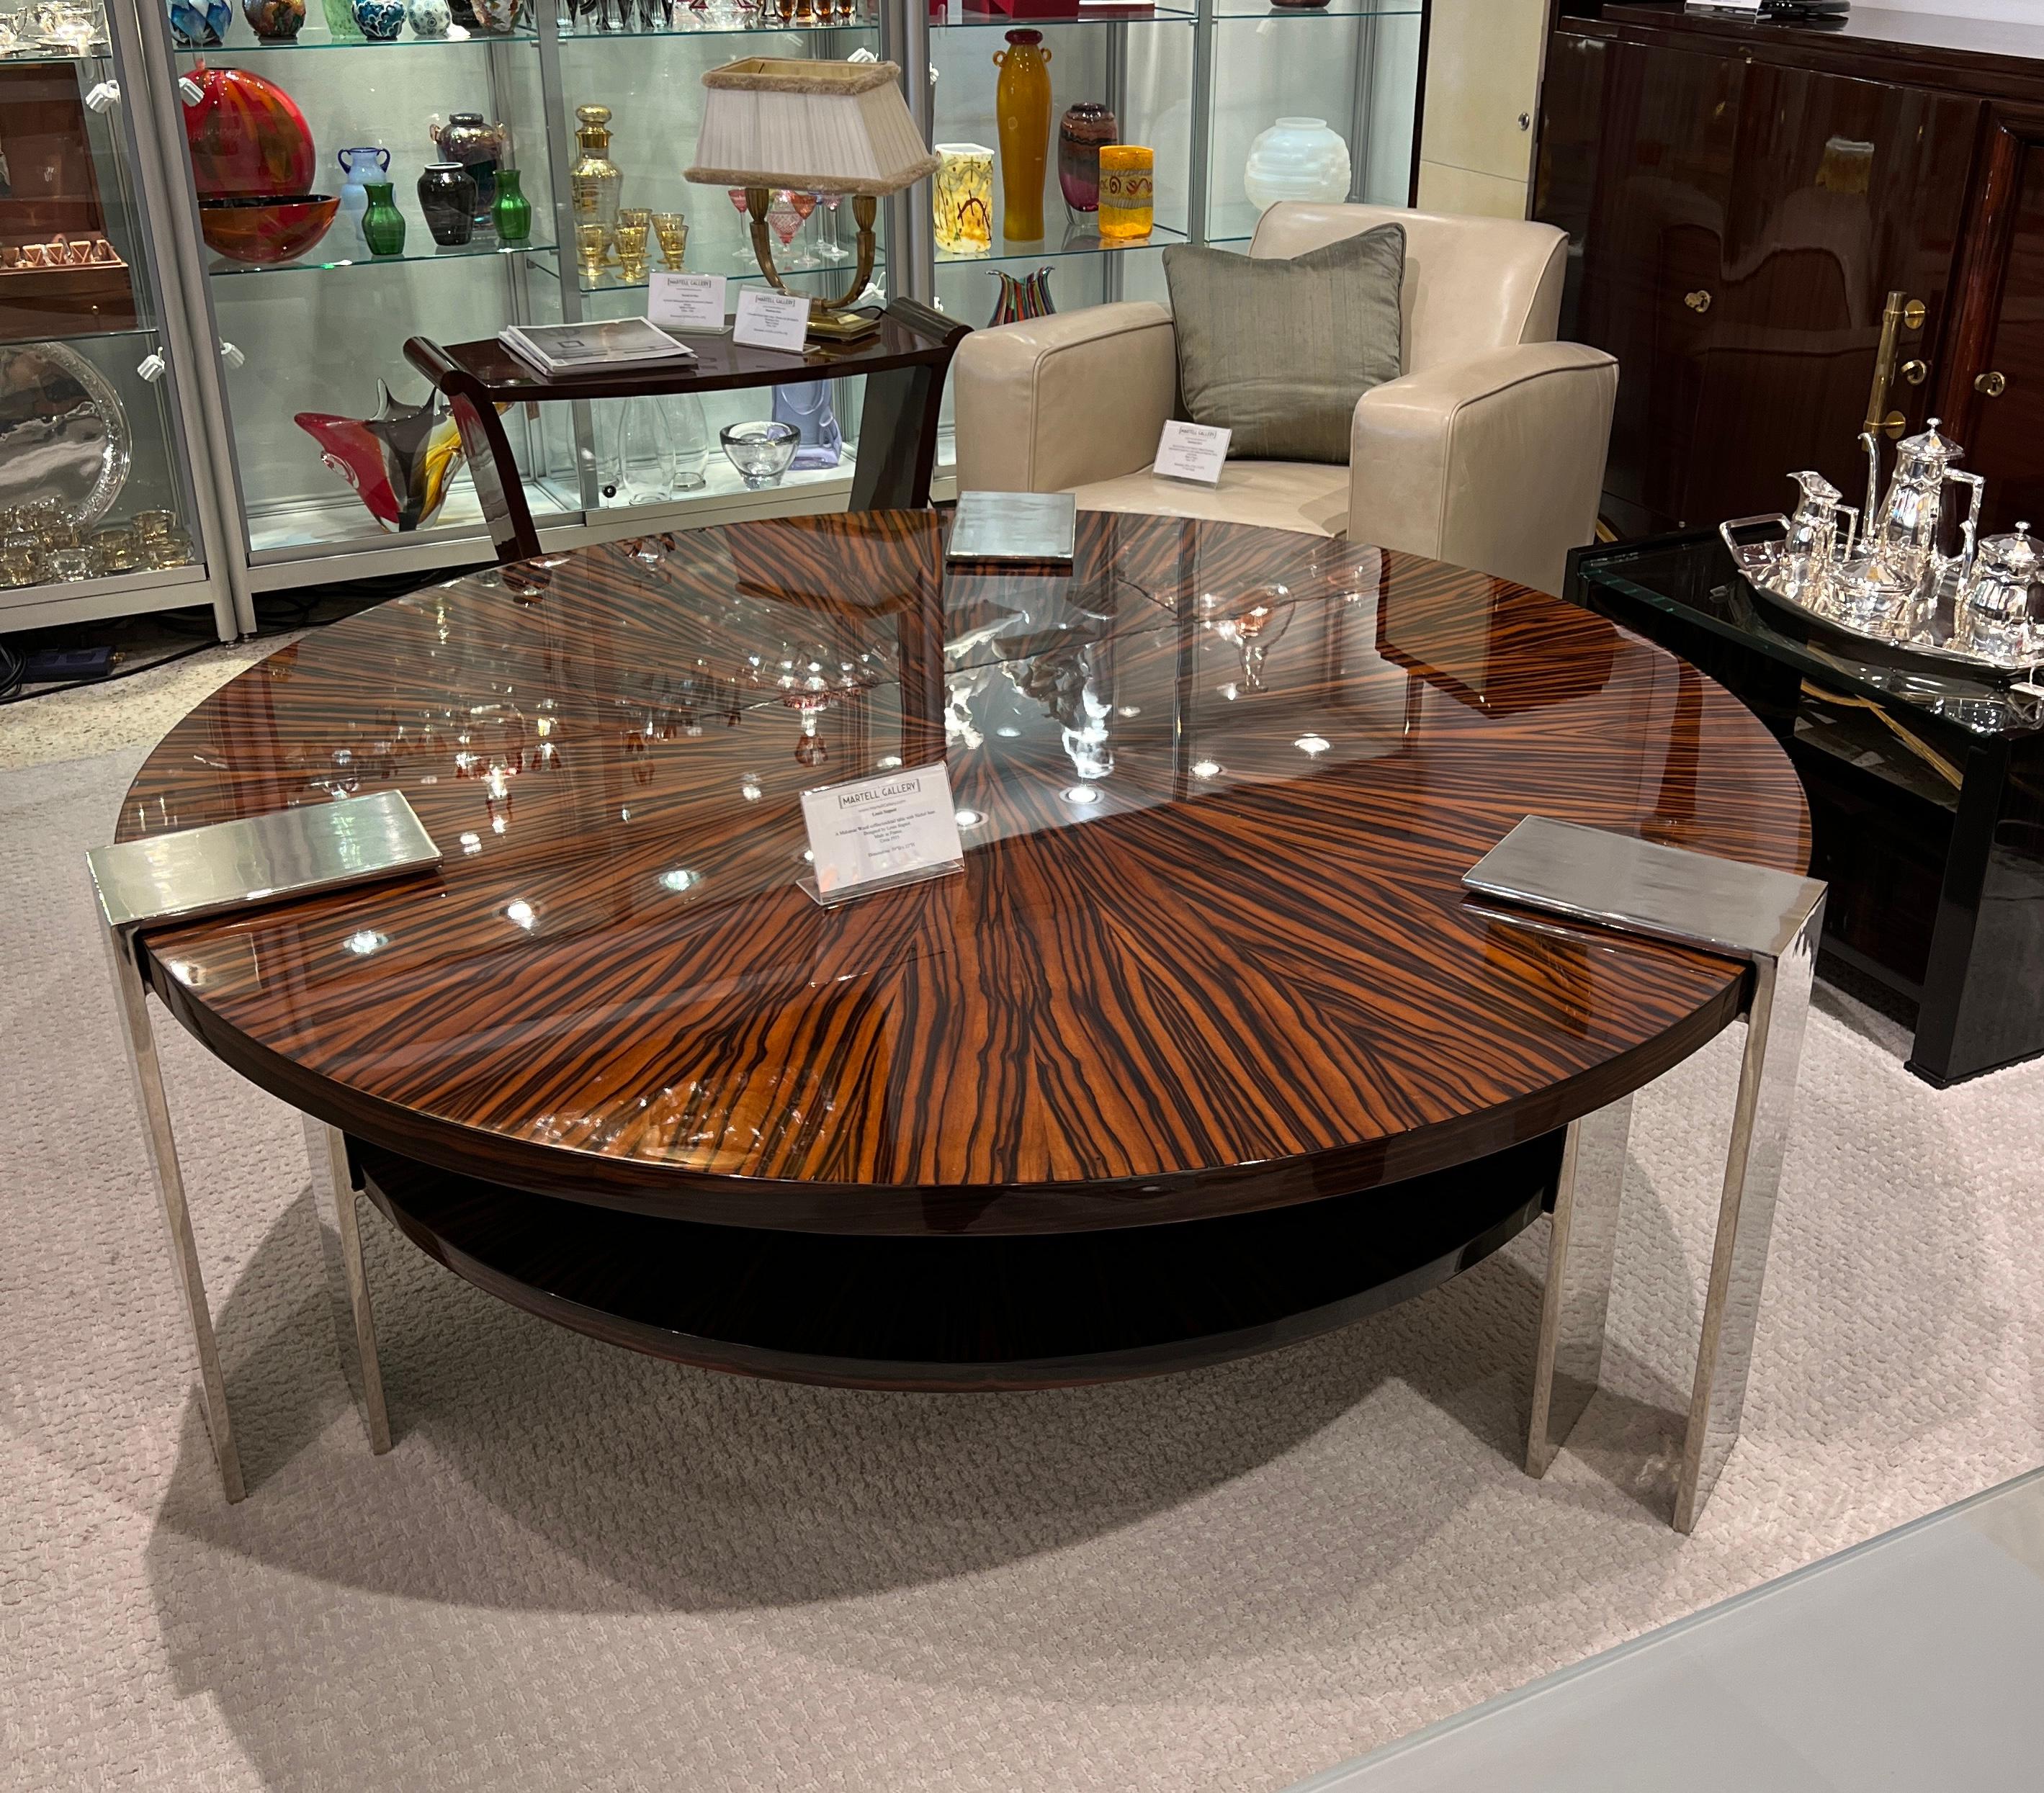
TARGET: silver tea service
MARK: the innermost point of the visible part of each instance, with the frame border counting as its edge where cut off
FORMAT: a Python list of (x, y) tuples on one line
[(1879, 574)]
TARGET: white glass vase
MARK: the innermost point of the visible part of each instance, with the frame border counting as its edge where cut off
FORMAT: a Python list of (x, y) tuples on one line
[(1296, 158)]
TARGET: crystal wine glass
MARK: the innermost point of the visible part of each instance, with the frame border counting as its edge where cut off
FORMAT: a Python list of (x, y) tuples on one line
[(804, 203), (744, 258), (831, 248)]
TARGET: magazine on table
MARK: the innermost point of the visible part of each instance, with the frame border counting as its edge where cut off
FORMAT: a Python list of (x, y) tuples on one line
[(582, 348)]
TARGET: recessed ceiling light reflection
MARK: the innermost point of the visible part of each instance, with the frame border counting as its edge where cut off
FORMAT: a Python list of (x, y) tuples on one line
[(518, 910), (471, 844), (749, 791), (1080, 794), (1007, 734), (1313, 746), (680, 878), (969, 818), (1207, 769), (1128, 709), (888, 762), (365, 941)]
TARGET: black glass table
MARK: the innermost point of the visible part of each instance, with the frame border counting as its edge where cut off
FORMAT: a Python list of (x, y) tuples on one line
[(1926, 787)]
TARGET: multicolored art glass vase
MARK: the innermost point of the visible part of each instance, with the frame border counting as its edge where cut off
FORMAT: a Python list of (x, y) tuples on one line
[(247, 137), (1083, 129), (1028, 297), (399, 460), (200, 26)]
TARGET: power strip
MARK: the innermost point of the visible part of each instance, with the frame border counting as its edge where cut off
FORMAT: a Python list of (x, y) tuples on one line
[(64, 666)]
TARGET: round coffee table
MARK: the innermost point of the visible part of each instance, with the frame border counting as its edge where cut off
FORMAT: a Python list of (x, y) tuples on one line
[(1204, 1051)]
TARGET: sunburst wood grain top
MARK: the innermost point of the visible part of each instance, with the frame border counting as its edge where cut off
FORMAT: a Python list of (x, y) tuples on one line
[(1209, 951)]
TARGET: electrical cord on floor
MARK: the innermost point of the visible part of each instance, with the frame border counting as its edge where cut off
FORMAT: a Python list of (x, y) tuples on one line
[(12, 666), (12, 693)]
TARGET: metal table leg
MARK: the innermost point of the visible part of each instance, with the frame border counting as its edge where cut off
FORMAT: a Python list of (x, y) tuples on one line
[(336, 1192), (132, 998), (1772, 920)]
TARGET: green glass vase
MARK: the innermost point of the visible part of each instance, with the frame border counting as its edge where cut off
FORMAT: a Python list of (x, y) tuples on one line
[(513, 213), (383, 225), (340, 25)]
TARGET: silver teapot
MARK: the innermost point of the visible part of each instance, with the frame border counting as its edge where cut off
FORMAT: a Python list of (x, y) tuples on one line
[(1996, 614)]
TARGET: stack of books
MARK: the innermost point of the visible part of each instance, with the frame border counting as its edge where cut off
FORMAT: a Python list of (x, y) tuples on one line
[(595, 347)]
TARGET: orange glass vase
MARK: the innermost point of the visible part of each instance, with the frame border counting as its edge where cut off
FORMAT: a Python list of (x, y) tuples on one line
[(1022, 112)]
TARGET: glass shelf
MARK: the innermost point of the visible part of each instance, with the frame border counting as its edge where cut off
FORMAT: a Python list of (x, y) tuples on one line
[(429, 251), (1234, 11), (789, 28), (1077, 240), (834, 278), (237, 45), (957, 17), (99, 52)]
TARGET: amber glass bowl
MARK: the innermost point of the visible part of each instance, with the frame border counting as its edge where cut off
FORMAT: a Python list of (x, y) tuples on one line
[(266, 228)]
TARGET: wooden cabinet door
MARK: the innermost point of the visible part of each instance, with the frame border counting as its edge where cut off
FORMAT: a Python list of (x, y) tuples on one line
[(1651, 232), (1998, 328), (1841, 191)]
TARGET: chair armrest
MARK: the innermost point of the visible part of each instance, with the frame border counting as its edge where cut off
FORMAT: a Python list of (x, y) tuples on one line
[(1495, 463), (1058, 401)]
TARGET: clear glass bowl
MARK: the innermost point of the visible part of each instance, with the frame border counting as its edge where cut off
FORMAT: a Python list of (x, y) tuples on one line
[(760, 452)]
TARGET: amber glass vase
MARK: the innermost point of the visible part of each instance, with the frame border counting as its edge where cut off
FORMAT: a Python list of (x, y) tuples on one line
[(1022, 110)]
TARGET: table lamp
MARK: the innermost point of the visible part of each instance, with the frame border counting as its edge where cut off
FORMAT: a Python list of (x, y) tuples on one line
[(815, 127)]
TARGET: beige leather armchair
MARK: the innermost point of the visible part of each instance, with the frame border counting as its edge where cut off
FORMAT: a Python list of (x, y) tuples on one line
[(1488, 452)]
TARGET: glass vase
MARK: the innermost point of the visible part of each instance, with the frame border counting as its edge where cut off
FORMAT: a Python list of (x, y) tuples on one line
[(1022, 113)]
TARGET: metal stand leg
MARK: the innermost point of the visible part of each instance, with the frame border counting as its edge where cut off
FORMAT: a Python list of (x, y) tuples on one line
[(1569, 1357), (1775, 1026), (334, 1197), (131, 999)]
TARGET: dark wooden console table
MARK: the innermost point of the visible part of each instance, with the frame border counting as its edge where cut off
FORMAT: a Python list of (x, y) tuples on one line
[(1925, 789), (903, 365)]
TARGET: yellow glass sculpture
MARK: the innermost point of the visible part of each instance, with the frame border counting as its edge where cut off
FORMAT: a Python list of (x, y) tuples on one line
[(1127, 189), (962, 197)]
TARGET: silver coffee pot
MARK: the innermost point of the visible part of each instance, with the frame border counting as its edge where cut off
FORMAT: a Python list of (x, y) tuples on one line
[(1813, 551), (1891, 584), (1997, 613)]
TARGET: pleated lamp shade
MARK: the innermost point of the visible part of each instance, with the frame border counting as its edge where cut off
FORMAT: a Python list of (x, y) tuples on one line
[(817, 127)]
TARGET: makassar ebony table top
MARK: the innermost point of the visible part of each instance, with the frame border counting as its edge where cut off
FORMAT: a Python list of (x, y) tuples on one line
[(1208, 953)]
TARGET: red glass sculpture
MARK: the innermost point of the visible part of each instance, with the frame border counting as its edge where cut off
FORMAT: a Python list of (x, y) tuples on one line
[(247, 137), (400, 462)]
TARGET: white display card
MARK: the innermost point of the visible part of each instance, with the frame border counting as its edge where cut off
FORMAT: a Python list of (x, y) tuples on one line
[(770, 320), (686, 302), (895, 828), (1195, 451)]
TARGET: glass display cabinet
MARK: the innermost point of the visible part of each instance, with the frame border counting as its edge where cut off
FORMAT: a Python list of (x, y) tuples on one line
[(342, 177), (103, 512)]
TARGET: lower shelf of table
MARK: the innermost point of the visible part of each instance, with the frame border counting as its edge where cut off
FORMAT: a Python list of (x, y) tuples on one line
[(971, 1312)]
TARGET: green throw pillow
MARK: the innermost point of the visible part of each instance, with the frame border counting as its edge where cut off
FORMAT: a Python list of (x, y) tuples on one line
[(1279, 352)]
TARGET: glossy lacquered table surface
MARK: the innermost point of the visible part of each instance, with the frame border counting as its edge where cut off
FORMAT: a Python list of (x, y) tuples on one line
[(1209, 953)]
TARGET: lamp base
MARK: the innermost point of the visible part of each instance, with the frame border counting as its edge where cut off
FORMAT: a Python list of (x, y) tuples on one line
[(834, 326)]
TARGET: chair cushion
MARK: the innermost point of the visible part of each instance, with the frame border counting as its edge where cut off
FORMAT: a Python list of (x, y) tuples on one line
[(1308, 497), (1279, 350)]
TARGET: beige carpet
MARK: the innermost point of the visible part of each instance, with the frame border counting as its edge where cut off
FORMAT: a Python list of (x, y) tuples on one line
[(583, 1569)]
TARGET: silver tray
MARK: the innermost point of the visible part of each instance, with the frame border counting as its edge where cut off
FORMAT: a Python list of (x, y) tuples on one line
[(1755, 560), (63, 432)]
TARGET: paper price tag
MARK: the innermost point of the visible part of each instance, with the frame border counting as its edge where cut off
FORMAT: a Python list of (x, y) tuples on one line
[(880, 830), (1194, 451), (685, 302), (770, 320)]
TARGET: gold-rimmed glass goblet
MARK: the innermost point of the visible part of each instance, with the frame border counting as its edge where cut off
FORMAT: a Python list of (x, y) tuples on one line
[(672, 229)]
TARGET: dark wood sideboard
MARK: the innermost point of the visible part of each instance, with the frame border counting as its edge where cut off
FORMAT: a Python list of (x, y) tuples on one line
[(1742, 197)]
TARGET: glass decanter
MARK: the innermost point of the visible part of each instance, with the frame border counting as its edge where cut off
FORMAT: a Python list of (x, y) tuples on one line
[(594, 181)]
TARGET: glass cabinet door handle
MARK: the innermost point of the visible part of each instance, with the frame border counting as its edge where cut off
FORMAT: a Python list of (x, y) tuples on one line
[(104, 97)]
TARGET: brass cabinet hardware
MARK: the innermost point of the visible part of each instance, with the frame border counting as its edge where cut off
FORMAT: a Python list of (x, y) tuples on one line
[(1915, 372), (1895, 424), (1894, 319), (1991, 385), (1913, 315), (1699, 301)]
